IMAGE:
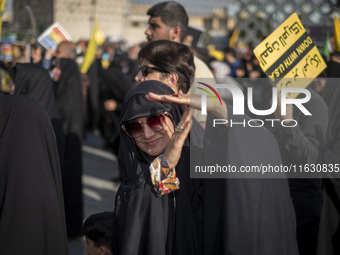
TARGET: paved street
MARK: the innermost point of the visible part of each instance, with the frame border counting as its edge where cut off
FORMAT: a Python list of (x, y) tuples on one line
[(100, 167)]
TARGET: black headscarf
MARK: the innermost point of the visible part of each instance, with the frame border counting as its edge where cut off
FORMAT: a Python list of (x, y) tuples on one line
[(136, 105), (34, 81), (69, 98), (32, 217), (147, 224)]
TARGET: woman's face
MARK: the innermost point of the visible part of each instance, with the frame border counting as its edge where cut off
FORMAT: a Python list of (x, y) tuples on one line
[(155, 142)]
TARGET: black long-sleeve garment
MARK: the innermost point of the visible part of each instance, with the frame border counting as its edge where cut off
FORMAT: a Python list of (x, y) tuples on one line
[(69, 99), (32, 219)]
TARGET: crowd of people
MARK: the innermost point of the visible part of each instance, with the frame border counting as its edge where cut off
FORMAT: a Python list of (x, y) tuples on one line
[(143, 102)]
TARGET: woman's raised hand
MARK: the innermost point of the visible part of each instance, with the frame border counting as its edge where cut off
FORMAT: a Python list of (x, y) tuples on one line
[(174, 149), (194, 101)]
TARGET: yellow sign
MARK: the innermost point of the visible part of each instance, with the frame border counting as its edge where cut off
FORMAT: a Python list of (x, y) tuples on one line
[(290, 54)]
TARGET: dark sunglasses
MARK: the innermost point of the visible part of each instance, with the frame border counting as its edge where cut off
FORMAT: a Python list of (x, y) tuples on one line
[(135, 129), (145, 70)]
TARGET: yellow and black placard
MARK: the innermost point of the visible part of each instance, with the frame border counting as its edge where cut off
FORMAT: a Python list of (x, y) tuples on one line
[(289, 54)]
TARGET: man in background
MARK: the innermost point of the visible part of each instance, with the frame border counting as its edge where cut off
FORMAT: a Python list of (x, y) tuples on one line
[(169, 21)]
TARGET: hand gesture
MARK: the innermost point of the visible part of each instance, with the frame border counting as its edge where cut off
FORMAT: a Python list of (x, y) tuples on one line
[(194, 101), (174, 149)]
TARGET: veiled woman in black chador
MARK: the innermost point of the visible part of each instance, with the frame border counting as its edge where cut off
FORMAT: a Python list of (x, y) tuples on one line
[(33, 80), (147, 223), (69, 99), (32, 218)]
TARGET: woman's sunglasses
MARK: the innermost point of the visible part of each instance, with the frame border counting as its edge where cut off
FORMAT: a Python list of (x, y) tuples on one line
[(145, 70), (156, 122)]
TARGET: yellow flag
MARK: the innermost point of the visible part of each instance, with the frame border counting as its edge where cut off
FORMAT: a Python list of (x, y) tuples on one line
[(336, 33), (233, 38), (219, 55), (2, 8), (90, 51)]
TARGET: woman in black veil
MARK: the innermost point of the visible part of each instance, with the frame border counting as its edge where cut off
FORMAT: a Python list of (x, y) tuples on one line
[(32, 219), (34, 81), (69, 100), (149, 222)]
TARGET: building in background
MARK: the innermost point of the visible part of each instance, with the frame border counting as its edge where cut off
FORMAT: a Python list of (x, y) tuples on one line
[(8, 12), (118, 19), (76, 16), (21, 25), (127, 19)]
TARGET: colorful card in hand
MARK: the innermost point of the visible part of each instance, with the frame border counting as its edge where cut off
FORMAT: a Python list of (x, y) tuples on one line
[(53, 35)]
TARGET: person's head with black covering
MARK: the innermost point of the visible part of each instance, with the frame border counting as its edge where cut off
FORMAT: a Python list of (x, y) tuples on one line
[(69, 83), (169, 62), (34, 81), (137, 203), (69, 96), (148, 125)]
